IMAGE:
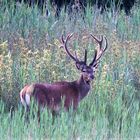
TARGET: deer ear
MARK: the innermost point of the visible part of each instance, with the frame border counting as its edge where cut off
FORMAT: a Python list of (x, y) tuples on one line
[(80, 66)]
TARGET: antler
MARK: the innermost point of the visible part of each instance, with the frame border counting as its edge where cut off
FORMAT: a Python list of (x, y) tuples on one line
[(85, 58), (65, 46), (100, 51), (75, 58)]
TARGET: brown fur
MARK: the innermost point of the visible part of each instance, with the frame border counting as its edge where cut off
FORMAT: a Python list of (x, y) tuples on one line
[(51, 95)]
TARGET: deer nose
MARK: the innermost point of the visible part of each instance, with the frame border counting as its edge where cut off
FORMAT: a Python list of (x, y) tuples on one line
[(92, 77)]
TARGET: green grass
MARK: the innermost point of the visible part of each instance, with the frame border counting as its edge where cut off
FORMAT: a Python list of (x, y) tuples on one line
[(29, 52)]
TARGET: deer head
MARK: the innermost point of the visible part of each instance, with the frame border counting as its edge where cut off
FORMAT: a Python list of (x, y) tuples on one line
[(88, 70)]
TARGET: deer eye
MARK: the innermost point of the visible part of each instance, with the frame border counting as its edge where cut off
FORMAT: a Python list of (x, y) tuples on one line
[(84, 70)]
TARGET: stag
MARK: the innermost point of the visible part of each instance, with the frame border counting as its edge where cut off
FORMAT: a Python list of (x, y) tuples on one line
[(52, 96)]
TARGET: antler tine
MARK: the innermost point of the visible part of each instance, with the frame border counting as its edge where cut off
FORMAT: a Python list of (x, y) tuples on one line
[(98, 41), (94, 58), (102, 50), (76, 55), (105, 44), (98, 55), (62, 38), (85, 58), (67, 38), (65, 46)]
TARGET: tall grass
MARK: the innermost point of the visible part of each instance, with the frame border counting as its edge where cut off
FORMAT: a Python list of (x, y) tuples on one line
[(30, 52)]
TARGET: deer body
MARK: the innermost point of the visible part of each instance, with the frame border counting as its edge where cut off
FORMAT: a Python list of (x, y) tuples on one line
[(70, 93), (51, 95)]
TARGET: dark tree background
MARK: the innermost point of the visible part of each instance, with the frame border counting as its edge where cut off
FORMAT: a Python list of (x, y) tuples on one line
[(103, 5)]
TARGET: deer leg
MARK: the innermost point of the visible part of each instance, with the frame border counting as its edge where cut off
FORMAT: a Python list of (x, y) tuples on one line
[(54, 115), (27, 111), (38, 115)]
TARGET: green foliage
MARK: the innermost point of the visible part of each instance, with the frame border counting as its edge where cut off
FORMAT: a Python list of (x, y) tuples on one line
[(30, 52)]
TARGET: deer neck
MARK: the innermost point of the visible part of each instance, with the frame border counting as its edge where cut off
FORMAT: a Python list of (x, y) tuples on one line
[(83, 87)]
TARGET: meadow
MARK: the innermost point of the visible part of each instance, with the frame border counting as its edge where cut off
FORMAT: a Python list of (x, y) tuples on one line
[(30, 52)]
